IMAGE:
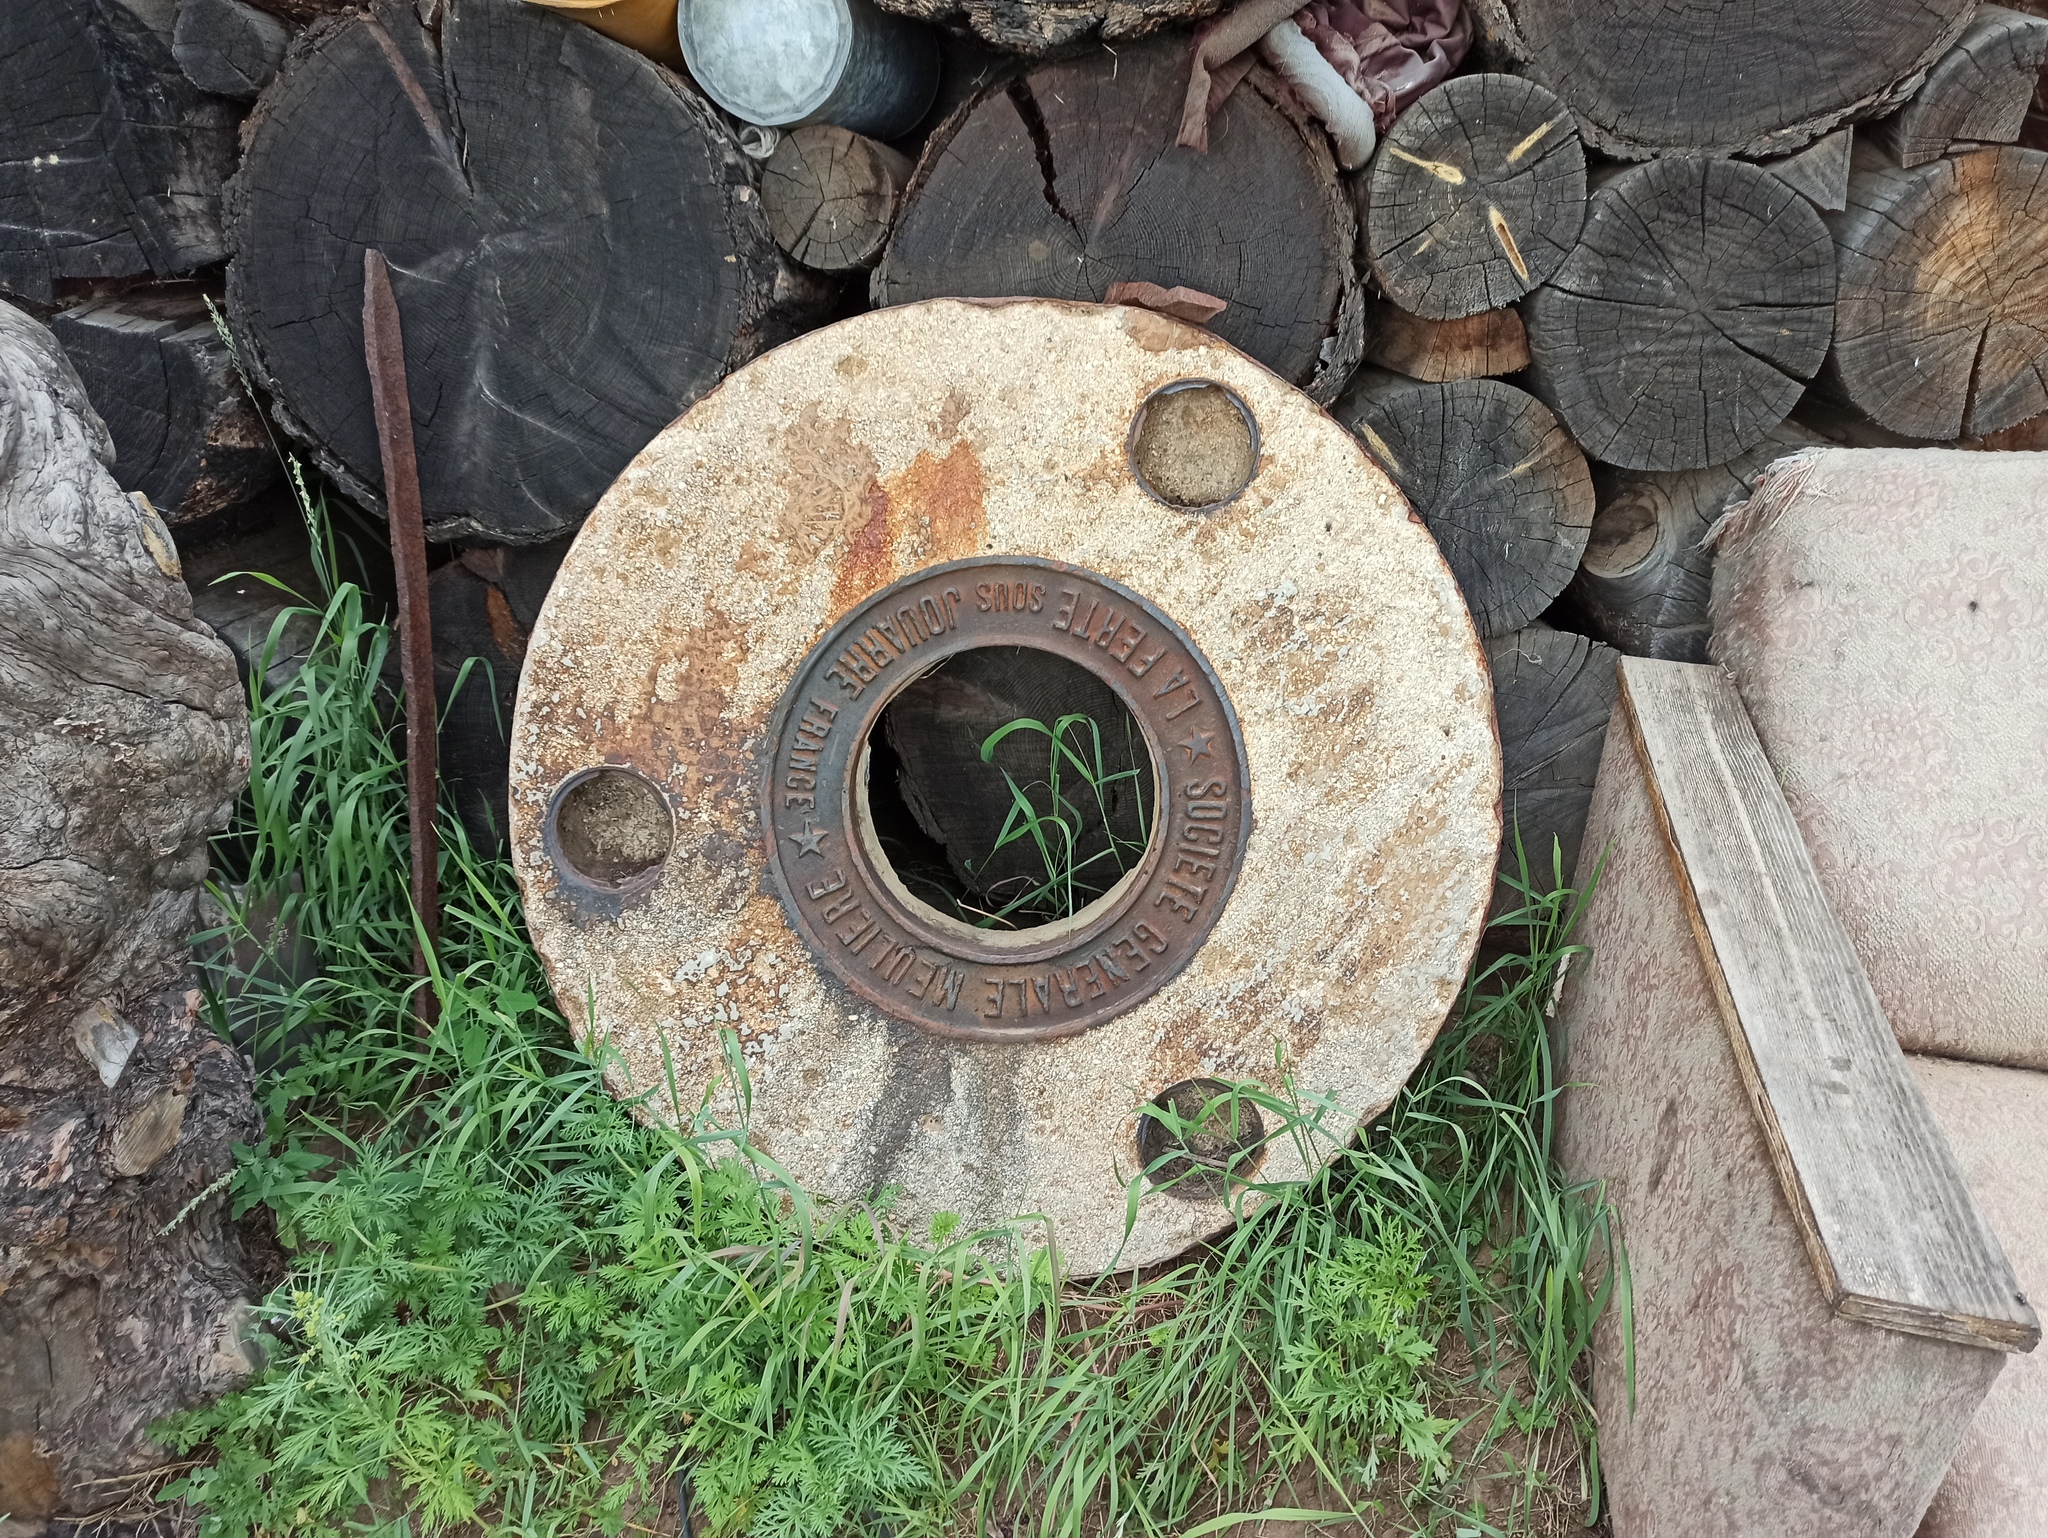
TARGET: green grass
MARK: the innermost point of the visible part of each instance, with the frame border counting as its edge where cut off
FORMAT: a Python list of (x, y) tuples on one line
[(514, 1308), (1044, 815)]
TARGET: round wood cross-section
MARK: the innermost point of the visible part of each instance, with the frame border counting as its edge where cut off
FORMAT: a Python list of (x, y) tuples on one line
[(891, 515)]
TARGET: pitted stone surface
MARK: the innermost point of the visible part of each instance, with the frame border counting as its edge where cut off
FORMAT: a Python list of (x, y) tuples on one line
[(910, 437)]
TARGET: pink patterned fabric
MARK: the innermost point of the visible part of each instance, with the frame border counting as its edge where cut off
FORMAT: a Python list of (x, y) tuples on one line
[(1885, 615), (1389, 51)]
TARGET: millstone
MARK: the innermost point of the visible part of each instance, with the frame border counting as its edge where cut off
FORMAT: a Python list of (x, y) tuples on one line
[(697, 818)]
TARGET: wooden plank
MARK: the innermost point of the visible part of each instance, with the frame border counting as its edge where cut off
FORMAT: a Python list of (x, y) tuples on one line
[(1892, 1229)]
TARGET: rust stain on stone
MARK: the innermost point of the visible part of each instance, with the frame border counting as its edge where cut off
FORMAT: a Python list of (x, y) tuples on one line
[(870, 558), (949, 495), (952, 412)]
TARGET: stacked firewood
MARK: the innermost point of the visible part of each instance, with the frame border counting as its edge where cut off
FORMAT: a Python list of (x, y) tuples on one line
[(1581, 292)]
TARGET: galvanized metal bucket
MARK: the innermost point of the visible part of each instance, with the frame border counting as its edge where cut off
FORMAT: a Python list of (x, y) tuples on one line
[(780, 63)]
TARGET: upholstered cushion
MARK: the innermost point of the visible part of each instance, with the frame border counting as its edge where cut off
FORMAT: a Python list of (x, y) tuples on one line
[(1885, 614), (1997, 1121)]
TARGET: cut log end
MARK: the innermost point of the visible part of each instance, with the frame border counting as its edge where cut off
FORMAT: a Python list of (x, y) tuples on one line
[(1475, 196), (1552, 695), (1747, 303), (228, 48), (1979, 91), (1502, 487), (572, 266), (1470, 347), (1941, 326), (830, 196), (1063, 182), (158, 373), (1719, 79)]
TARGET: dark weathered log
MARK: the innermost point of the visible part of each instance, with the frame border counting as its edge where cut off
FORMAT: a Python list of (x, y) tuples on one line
[(1552, 695), (1470, 347), (113, 160), (228, 48), (484, 604), (934, 731), (1644, 582), (1685, 325), (185, 434), (127, 742), (1067, 180), (1941, 324), (1979, 91), (831, 195), (573, 265), (1501, 485), (1721, 78), (1820, 172), (1045, 26), (1475, 196), (244, 611)]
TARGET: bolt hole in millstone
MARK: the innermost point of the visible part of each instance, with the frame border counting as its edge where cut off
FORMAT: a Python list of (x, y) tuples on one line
[(1197, 1136), (1010, 788), (1194, 445), (611, 828)]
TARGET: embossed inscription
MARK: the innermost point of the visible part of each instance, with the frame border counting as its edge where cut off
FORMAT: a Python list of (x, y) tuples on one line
[(920, 966)]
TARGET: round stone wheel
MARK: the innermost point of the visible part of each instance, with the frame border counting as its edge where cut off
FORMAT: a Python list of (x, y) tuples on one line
[(690, 810)]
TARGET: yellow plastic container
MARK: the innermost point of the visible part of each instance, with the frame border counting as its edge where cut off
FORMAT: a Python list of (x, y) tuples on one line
[(648, 25)]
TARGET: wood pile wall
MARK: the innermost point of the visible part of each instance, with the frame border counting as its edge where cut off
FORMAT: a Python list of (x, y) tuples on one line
[(1581, 293)]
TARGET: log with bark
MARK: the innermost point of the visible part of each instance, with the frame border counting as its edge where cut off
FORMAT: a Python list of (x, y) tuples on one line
[(1687, 322), (185, 433), (1470, 347), (1644, 582), (228, 48), (127, 742), (1979, 91), (1722, 79), (1475, 196), (574, 266), (1049, 26), (1067, 180), (1941, 324), (1501, 485), (113, 159), (831, 195), (1552, 694)]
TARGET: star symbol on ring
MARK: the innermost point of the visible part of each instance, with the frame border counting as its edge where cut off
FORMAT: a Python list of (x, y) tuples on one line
[(808, 841), (1197, 745)]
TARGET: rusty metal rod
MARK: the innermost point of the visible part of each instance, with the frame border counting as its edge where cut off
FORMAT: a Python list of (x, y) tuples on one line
[(384, 351)]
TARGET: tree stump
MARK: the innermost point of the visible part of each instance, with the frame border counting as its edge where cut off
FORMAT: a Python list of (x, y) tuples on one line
[(1067, 180), (1941, 324), (1470, 347), (831, 195), (1723, 79), (1046, 26), (185, 434), (1979, 90), (1500, 484), (114, 160), (1646, 578), (228, 48), (1552, 694), (127, 742), (1685, 326), (1475, 196), (573, 265)]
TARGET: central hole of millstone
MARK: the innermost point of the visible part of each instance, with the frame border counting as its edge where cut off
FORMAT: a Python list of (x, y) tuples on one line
[(1009, 789)]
